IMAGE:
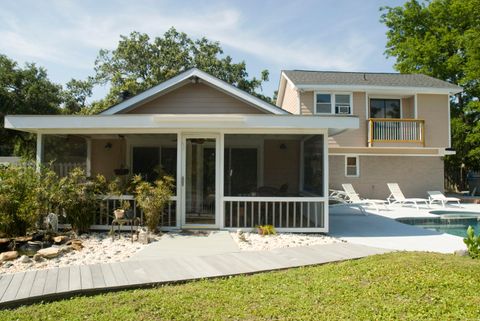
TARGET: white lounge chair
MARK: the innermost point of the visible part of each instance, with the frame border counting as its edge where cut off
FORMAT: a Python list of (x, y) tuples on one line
[(437, 196), (354, 199), (397, 197)]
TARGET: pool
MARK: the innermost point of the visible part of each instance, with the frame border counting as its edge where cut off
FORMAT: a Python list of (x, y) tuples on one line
[(455, 223)]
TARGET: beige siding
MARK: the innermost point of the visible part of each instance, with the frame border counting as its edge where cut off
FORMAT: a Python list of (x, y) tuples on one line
[(281, 166), (195, 99), (306, 103), (434, 110), (408, 107), (290, 100), (415, 175), (356, 137), (104, 161)]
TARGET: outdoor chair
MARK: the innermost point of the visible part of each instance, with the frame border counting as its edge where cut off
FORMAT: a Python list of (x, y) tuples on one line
[(397, 197), (438, 197), (354, 199)]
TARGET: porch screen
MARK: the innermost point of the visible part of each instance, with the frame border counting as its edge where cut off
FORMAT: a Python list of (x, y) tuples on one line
[(313, 165)]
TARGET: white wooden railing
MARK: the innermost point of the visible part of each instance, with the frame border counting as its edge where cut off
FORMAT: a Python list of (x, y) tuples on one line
[(388, 130), (108, 203), (284, 213), (62, 169)]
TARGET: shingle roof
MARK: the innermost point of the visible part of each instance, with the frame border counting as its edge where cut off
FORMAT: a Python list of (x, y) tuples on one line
[(305, 77)]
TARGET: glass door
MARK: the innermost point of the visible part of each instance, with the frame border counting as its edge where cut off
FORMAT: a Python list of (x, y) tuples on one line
[(200, 180)]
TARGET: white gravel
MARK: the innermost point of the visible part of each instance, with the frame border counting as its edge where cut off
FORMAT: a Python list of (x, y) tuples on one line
[(254, 242), (98, 248)]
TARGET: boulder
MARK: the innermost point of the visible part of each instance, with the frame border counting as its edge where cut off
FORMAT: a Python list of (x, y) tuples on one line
[(23, 239), (60, 239), (24, 259), (37, 258), (8, 256), (75, 244), (49, 252)]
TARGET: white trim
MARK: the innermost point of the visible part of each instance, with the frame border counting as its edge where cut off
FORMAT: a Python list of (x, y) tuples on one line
[(143, 124), (184, 77), (449, 125), (299, 102), (367, 106), (383, 89), (357, 165), (415, 106), (89, 157), (390, 155), (332, 101)]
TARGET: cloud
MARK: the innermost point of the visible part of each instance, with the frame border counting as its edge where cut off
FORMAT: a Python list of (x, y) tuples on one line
[(86, 29)]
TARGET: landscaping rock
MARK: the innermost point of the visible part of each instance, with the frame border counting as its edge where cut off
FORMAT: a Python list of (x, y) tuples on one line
[(60, 239), (75, 244), (37, 258), (49, 252), (461, 253), (143, 237), (8, 256), (24, 259), (23, 239)]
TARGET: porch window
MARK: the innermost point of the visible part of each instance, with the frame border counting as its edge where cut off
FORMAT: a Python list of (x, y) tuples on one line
[(65, 152), (154, 161), (313, 173), (385, 108), (352, 168)]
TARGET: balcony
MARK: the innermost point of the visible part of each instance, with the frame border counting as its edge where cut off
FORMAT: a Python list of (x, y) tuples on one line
[(396, 130)]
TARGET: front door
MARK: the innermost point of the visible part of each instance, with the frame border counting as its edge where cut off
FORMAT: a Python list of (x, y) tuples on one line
[(200, 186)]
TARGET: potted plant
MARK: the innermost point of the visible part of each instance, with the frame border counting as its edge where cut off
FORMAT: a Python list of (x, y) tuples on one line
[(120, 212), (152, 198)]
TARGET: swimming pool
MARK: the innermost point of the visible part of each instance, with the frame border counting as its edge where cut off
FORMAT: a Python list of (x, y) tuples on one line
[(455, 223)]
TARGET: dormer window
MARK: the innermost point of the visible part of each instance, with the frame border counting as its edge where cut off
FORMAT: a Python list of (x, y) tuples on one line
[(333, 103)]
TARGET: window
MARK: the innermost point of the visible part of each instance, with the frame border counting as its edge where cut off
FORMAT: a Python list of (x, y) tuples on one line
[(313, 175), (341, 103), (352, 166), (154, 161), (385, 108)]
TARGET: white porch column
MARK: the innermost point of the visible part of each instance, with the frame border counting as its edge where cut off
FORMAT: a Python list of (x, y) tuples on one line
[(89, 157), (179, 182), (326, 179), (39, 154)]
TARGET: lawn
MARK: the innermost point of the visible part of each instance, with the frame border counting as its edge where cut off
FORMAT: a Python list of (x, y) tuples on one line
[(408, 286)]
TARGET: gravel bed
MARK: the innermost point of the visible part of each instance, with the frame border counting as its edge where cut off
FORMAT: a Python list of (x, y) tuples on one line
[(254, 242)]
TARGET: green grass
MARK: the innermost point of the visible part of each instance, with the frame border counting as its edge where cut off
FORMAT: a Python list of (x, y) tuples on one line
[(408, 286)]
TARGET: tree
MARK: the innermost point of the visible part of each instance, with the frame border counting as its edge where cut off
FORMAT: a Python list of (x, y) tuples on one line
[(140, 62), (441, 38), (24, 91), (76, 94)]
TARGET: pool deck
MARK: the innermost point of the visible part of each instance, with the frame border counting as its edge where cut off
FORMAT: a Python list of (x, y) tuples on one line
[(379, 229)]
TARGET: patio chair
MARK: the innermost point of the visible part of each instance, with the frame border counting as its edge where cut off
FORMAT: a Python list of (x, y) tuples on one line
[(354, 199), (397, 197), (437, 196)]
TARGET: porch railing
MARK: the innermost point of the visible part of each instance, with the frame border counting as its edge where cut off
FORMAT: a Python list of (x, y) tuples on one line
[(391, 130), (108, 203), (284, 213), (62, 169)]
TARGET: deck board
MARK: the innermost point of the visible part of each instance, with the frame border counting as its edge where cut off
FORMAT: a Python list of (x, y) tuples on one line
[(97, 276), (63, 279), (26, 286), (74, 278), (12, 289), (51, 281), (108, 275), (38, 283), (86, 275), (4, 282)]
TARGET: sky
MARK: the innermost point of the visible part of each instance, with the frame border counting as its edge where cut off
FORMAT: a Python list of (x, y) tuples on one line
[(65, 36)]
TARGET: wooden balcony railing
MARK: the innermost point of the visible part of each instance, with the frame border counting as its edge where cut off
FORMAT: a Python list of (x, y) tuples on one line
[(396, 130)]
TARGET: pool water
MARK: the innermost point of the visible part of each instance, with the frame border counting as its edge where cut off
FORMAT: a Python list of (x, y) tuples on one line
[(454, 225)]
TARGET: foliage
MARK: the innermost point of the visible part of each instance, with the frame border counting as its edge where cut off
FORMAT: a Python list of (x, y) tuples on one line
[(440, 38), (152, 198), (473, 243), (76, 94), (19, 205), (394, 286), (79, 198), (24, 91), (140, 62), (266, 230)]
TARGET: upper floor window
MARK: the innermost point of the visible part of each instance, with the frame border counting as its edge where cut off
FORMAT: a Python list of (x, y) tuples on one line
[(385, 108), (332, 103)]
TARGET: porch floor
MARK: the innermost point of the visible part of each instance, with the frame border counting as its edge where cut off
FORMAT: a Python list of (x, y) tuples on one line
[(35, 286)]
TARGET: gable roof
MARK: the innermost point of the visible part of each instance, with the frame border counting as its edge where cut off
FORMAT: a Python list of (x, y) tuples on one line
[(184, 78), (303, 78)]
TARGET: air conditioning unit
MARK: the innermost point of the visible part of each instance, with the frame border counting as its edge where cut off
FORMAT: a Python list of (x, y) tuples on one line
[(343, 110)]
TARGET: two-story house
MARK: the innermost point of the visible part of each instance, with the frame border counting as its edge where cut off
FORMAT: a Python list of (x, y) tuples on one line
[(404, 126), (239, 162)]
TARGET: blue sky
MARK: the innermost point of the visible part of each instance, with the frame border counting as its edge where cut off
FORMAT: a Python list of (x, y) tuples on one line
[(65, 36)]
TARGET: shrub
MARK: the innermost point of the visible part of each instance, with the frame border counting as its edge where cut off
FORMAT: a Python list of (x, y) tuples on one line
[(19, 205), (473, 243), (79, 198), (152, 198), (266, 230)]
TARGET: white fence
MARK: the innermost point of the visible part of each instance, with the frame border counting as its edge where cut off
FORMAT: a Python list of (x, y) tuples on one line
[(62, 169), (284, 213)]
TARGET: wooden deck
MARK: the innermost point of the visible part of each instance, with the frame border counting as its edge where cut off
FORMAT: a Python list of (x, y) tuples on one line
[(33, 286)]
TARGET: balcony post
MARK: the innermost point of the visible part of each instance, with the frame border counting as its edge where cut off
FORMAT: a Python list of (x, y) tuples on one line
[(39, 153)]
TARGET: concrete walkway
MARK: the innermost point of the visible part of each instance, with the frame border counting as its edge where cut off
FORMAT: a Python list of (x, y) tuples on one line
[(34, 286), (379, 231), (175, 245)]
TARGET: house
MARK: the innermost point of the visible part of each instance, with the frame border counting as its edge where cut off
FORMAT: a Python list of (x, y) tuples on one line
[(239, 162), (404, 126)]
